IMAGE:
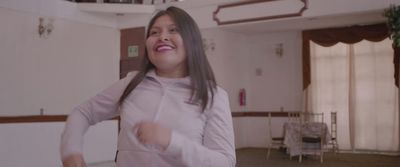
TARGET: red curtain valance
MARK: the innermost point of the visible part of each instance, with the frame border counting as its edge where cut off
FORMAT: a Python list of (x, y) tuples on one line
[(350, 35)]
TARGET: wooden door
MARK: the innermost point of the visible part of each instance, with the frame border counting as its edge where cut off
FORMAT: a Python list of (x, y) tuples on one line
[(132, 49)]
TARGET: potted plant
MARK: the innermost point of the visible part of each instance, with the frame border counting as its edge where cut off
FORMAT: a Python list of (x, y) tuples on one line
[(393, 21)]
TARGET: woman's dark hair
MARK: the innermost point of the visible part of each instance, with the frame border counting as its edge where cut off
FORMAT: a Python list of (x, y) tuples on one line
[(200, 72)]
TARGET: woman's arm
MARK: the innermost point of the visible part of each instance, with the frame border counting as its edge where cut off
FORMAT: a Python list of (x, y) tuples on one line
[(218, 149), (101, 107)]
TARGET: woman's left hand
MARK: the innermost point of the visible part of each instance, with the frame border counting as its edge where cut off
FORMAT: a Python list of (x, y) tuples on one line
[(153, 133)]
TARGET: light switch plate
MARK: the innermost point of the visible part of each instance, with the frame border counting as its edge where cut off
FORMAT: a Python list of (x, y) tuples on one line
[(133, 51)]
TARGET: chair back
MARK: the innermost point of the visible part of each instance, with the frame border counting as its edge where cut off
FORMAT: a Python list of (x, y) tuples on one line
[(333, 141), (334, 124), (312, 124), (293, 117), (273, 141), (308, 117), (312, 132), (269, 124)]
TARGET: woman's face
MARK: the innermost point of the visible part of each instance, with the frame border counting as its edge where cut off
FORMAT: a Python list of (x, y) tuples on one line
[(165, 48)]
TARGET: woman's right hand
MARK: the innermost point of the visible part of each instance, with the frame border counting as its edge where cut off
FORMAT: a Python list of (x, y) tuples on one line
[(75, 160)]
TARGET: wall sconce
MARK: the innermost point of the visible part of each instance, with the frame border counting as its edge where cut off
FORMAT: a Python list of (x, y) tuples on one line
[(279, 49), (209, 45), (44, 29), (156, 2)]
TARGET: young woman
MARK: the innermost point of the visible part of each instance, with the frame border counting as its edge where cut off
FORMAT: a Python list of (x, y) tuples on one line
[(172, 112)]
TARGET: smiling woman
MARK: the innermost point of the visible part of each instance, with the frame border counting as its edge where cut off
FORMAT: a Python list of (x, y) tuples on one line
[(172, 111)]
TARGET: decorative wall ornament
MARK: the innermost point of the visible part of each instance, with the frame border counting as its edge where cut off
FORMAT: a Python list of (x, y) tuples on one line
[(45, 27), (157, 2), (279, 50), (258, 10), (209, 46)]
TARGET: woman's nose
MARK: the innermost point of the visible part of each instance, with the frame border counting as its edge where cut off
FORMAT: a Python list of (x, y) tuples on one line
[(164, 36)]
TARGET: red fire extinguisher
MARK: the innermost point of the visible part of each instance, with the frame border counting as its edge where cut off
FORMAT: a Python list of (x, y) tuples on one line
[(242, 97)]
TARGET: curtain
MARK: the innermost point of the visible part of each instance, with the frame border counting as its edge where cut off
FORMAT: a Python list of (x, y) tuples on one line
[(356, 80), (329, 86), (350, 35), (375, 97), (345, 65)]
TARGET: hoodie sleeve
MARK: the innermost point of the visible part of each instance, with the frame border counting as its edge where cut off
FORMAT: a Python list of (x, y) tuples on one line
[(101, 107), (218, 149)]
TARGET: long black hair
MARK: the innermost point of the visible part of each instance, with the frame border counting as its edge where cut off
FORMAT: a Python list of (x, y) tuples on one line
[(199, 69)]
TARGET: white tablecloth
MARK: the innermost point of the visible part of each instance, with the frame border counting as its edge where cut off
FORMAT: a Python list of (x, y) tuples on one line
[(293, 138)]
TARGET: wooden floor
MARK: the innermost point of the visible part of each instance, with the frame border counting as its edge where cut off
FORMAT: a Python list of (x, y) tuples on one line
[(256, 157)]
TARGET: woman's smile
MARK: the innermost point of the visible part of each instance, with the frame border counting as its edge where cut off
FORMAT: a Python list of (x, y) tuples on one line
[(162, 47)]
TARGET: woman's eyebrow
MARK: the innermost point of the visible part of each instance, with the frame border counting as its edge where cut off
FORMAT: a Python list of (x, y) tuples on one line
[(170, 25), (155, 27)]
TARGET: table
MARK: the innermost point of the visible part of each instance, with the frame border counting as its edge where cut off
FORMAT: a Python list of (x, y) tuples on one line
[(293, 138)]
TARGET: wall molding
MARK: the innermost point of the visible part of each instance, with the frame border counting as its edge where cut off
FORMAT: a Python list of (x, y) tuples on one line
[(232, 9), (36, 119), (263, 113), (63, 118), (33, 118)]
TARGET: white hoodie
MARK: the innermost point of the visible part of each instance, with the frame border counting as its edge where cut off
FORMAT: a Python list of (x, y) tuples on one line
[(203, 139)]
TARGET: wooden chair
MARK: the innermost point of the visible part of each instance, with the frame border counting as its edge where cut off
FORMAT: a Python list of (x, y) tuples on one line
[(333, 141), (294, 116), (275, 141), (312, 129)]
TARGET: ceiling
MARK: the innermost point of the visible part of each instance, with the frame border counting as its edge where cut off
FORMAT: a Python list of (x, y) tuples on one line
[(298, 24), (295, 23), (288, 24), (201, 3)]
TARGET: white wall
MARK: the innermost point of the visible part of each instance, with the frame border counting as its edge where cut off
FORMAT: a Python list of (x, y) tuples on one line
[(280, 84), (37, 144), (60, 9), (56, 73), (237, 57), (78, 59), (230, 61), (235, 60)]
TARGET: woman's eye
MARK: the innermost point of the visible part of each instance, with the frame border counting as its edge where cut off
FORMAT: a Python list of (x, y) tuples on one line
[(153, 32), (173, 30)]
